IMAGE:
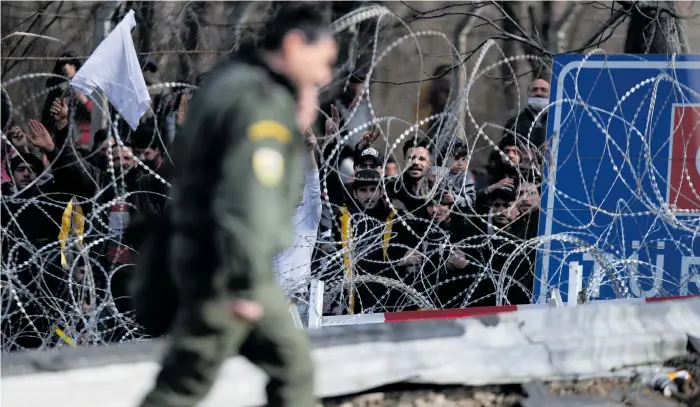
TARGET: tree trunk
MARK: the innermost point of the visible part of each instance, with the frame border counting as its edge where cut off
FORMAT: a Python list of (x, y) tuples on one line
[(654, 29), (190, 37), (145, 26)]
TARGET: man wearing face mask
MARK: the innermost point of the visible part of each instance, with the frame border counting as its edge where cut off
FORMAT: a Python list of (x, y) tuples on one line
[(523, 121)]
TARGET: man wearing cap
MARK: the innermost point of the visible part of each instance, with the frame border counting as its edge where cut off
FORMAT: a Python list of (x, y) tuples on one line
[(366, 232), (368, 158)]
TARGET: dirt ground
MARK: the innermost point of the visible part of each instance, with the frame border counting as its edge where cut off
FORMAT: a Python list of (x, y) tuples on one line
[(504, 396), (443, 397), (604, 392)]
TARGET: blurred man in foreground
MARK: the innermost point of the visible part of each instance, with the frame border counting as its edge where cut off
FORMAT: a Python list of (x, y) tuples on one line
[(227, 223)]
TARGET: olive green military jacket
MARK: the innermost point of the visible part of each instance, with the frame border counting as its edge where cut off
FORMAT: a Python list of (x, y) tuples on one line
[(237, 176)]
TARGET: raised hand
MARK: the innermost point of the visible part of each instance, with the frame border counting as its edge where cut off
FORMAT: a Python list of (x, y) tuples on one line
[(333, 122), (310, 140), (369, 137), (19, 139), (39, 136), (505, 183), (59, 110)]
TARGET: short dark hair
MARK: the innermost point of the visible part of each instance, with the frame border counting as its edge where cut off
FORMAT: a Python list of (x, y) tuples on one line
[(455, 149), (288, 16), (510, 140), (33, 161), (99, 138), (460, 152), (366, 177), (66, 57), (417, 142), (146, 136)]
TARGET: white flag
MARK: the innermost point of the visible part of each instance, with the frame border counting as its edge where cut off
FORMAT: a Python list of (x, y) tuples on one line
[(115, 69)]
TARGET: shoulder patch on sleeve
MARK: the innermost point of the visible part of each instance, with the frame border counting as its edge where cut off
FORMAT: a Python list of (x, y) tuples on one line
[(268, 166), (269, 129)]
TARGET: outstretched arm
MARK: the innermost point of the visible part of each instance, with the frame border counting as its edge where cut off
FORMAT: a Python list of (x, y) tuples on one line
[(310, 211)]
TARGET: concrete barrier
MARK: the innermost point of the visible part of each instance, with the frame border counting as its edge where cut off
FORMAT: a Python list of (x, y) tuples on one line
[(516, 347)]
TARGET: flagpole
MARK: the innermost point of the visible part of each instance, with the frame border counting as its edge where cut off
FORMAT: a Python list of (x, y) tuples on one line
[(99, 117)]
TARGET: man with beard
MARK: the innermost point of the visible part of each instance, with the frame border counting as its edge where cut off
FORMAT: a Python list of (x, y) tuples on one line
[(148, 146), (503, 172), (368, 235), (507, 271), (439, 257), (408, 192)]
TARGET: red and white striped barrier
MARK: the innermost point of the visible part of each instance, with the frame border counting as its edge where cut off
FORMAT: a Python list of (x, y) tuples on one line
[(454, 313), (576, 286)]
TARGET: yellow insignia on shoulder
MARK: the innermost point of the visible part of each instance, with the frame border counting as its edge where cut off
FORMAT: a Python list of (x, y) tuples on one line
[(268, 166), (269, 129)]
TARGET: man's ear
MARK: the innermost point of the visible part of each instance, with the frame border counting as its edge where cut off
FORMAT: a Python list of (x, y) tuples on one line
[(293, 41)]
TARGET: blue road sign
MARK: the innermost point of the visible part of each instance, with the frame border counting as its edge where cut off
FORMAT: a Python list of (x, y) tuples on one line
[(622, 196)]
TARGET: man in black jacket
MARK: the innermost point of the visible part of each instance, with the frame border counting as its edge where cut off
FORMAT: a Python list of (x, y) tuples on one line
[(371, 240), (532, 132), (409, 191)]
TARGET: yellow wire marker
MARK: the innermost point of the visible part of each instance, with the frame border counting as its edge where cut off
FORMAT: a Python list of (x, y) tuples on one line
[(67, 339)]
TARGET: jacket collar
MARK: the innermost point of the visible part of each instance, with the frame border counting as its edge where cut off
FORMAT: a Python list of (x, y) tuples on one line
[(254, 57)]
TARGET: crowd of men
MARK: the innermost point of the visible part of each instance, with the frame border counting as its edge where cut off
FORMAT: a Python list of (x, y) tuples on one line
[(385, 230), (427, 231)]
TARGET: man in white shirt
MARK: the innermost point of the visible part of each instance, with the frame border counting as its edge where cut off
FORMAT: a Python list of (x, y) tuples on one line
[(292, 266)]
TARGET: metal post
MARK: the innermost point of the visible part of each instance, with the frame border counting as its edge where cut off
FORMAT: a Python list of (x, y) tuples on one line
[(575, 283), (103, 26), (316, 304), (294, 312), (555, 301)]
